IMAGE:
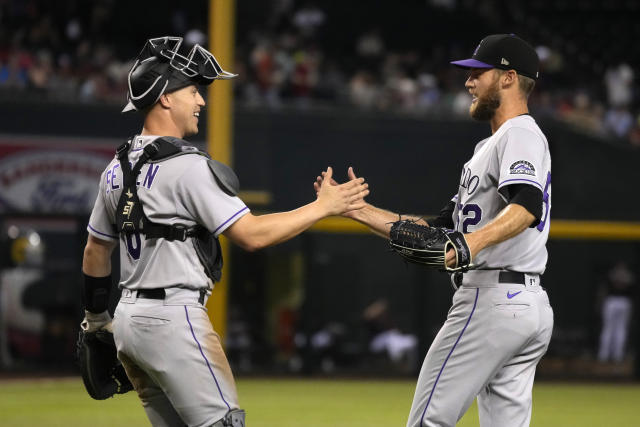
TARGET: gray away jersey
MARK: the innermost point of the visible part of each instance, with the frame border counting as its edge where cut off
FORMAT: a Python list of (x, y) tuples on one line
[(517, 153), (180, 190)]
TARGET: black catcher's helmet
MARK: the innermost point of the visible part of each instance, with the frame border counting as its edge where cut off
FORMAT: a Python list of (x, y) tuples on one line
[(159, 68)]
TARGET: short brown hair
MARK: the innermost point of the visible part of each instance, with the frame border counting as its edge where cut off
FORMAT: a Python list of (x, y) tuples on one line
[(526, 85)]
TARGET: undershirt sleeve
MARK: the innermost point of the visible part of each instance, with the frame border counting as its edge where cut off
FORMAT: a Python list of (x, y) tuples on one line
[(527, 196), (445, 218)]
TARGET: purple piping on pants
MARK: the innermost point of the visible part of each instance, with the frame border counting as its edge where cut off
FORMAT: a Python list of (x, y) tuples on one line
[(101, 233), (449, 355), (234, 215), (205, 358)]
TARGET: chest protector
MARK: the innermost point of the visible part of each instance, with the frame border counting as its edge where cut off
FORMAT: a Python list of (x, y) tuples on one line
[(130, 216)]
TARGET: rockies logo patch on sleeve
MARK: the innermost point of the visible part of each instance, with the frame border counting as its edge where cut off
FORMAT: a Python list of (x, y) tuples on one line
[(522, 167)]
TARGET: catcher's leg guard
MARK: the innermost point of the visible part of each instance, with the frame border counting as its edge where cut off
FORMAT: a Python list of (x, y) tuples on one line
[(234, 418)]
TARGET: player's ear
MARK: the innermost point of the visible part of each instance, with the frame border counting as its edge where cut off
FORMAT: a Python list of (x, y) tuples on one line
[(164, 100), (509, 78)]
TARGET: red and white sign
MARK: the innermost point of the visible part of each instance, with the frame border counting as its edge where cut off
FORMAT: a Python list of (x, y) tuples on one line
[(48, 175)]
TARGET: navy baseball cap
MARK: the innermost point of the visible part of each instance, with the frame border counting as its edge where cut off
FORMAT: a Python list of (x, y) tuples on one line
[(506, 52)]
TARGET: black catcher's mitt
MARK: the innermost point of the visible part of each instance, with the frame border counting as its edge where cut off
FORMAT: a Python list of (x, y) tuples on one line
[(428, 246), (102, 373)]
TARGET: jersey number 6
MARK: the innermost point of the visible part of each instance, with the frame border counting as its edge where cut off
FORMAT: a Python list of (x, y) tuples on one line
[(134, 250)]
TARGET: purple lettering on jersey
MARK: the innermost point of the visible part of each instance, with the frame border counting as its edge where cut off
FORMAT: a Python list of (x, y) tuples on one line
[(114, 186), (134, 250), (545, 203), (471, 220), (468, 181), (131, 165), (108, 180), (151, 174)]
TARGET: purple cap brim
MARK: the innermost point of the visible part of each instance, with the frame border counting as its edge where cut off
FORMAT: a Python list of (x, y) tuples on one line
[(471, 63)]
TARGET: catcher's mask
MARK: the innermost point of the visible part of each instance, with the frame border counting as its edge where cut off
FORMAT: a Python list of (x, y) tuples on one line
[(159, 68)]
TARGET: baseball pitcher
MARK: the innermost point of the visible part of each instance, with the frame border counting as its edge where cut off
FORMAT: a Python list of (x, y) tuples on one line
[(491, 239)]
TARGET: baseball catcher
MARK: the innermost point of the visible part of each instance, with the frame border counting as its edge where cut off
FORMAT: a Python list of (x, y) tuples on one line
[(428, 246), (157, 198)]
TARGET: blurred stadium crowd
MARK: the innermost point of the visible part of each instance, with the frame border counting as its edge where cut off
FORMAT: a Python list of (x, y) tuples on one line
[(321, 54)]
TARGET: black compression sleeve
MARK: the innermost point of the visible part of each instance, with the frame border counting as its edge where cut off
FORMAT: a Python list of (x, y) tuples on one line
[(527, 196), (95, 293), (445, 219)]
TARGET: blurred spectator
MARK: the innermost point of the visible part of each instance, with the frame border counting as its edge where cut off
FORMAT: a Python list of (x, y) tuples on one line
[(95, 87), (75, 54), (634, 135), (279, 12), (14, 72), (584, 114), (304, 77), (460, 103), (370, 50), (64, 83), (331, 82), (370, 45), (403, 92), (73, 30), (428, 92), (618, 81), (323, 350), (618, 121), (269, 73), (616, 313), (363, 91), (386, 338), (41, 71), (309, 19)]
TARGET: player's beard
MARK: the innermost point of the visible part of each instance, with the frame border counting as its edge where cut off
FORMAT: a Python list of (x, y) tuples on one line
[(486, 105)]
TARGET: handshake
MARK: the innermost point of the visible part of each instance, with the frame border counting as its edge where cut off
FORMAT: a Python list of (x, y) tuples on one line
[(410, 237), (340, 199)]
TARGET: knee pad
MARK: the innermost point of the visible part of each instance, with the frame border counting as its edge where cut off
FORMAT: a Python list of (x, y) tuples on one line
[(234, 418)]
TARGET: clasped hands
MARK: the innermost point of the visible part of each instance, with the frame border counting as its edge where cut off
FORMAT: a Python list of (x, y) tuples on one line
[(341, 199), (357, 190)]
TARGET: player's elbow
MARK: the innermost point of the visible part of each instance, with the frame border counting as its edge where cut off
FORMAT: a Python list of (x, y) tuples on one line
[(248, 234), (96, 259), (250, 244), (98, 249)]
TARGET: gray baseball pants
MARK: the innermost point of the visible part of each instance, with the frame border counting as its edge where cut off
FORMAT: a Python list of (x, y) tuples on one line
[(488, 347), (174, 359)]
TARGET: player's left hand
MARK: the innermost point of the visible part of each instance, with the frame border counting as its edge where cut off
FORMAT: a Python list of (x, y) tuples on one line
[(450, 258), (94, 322)]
